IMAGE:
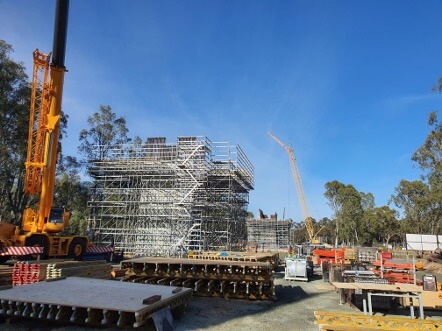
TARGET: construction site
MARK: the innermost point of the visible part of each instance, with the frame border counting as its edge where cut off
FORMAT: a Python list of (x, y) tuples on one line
[(170, 242), (166, 199)]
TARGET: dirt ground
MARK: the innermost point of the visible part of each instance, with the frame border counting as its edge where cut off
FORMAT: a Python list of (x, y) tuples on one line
[(293, 310), (432, 267)]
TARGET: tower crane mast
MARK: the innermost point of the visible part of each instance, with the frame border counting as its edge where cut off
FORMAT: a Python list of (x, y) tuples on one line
[(297, 178)]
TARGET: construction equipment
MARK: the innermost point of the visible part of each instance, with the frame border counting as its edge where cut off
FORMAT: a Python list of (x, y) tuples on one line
[(41, 225), (295, 172)]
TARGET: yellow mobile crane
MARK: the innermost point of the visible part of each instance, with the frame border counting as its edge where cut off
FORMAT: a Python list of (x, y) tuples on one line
[(307, 219), (41, 226)]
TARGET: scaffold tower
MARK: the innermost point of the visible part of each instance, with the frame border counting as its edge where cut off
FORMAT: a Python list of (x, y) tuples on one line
[(268, 234), (166, 199)]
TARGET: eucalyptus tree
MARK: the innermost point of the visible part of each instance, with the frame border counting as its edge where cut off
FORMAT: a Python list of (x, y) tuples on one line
[(105, 130), (351, 214), (14, 118), (335, 203), (429, 158), (421, 200), (71, 192), (382, 225)]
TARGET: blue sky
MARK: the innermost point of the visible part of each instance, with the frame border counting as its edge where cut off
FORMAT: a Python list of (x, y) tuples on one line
[(346, 83)]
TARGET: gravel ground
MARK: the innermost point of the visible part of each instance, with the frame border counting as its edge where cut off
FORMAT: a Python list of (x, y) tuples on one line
[(293, 309)]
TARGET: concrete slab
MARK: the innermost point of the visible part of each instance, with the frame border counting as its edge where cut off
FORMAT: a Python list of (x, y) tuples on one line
[(90, 301)]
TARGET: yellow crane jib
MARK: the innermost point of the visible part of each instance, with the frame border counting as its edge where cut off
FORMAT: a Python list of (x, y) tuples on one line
[(297, 178)]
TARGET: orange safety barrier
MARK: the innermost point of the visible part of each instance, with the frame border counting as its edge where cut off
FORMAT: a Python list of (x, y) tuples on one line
[(393, 265), (322, 256)]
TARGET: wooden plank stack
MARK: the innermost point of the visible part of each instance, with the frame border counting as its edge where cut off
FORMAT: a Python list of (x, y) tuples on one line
[(28, 273), (92, 269), (6, 275), (272, 258)]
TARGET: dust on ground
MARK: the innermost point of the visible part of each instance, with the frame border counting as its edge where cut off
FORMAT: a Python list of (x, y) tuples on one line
[(431, 266)]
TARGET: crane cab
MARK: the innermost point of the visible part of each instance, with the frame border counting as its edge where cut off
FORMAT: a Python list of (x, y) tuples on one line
[(58, 219)]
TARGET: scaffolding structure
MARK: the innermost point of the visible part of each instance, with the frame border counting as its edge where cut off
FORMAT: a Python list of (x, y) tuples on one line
[(166, 199), (268, 234)]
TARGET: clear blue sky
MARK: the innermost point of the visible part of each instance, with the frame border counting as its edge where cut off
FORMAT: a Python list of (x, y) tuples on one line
[(347, 83)]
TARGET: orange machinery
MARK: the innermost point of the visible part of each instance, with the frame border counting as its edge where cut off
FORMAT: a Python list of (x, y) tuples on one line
[(42, 224)]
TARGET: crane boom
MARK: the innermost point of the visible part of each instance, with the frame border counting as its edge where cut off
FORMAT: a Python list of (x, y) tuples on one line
[(44, 129), (297, 178), (42, 223)]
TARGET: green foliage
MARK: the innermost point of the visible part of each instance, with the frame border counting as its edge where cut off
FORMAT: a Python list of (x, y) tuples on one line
[(348, 207), (14, 121), (350, 214), (327, 233), (298, 233), (381, 225), (15, 94), (70, 191), (77, 224), (421, 200), (105, 130)]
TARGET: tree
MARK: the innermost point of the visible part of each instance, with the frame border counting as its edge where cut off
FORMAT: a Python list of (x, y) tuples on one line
[(382, 224), (331, 193), (72, 194), (71, 191), (328, 227), (429, 155), (298, 233), (14, 122), (351, 214), (413, 198), (421, 200), (105, 131), (367, 201), (429, 158), (348, 207)]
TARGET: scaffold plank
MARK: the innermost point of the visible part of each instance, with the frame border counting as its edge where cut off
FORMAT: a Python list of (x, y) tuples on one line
[(379, 287)]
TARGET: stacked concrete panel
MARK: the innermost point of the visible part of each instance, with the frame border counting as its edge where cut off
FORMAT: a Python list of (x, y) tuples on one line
[(218, 278), (89, 301)]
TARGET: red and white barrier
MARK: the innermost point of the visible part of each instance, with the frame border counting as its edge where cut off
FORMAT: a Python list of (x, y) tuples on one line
[(99, 250), (20, 250)]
